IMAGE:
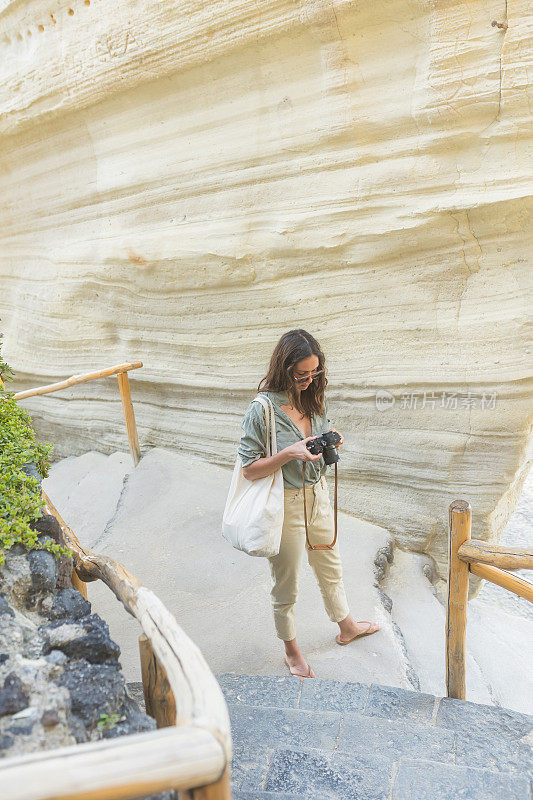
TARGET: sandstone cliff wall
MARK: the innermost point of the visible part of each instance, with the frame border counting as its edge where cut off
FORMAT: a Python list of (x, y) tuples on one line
[(180, 184)]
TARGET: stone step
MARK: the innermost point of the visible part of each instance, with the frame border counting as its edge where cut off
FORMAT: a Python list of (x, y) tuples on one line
[(327, 695), (335, 740), (299, 775), (284, 748), (345, 732)]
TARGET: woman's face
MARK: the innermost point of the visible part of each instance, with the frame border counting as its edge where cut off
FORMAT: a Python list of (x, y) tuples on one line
[(303, 372)]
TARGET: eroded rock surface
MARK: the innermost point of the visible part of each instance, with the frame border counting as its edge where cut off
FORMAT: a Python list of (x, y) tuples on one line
[(190, 184)]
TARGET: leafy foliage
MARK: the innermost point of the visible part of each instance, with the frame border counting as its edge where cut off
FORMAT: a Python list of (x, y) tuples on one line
[(108, 721), (5, 370), (20, 498)]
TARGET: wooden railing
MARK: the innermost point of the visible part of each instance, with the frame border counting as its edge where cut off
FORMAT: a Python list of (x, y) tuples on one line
[(489, 561), (190, 751), (121, 371)]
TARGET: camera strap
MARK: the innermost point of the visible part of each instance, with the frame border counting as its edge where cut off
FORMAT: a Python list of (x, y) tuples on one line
[(320, 546)]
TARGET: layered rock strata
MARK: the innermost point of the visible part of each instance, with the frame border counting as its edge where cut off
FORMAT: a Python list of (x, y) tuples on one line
[(192, 182)]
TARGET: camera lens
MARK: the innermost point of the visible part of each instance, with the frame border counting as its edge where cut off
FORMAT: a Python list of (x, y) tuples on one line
[(330, 454)]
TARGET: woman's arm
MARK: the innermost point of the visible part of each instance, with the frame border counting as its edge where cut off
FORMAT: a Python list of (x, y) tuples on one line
[(266, 466), (255, 463)]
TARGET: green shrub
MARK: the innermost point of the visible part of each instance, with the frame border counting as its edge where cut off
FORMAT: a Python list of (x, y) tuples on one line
[(20, 497)]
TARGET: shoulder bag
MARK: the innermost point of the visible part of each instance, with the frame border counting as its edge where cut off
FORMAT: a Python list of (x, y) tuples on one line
[(253, 516)]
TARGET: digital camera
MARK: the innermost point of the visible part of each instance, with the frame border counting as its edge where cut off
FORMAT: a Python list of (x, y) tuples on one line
[(325, 444)]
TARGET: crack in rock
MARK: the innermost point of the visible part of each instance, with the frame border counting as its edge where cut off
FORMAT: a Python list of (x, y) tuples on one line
[(109, 524)]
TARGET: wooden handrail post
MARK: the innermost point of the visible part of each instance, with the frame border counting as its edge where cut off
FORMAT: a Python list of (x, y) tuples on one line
[(160, 704), (78, 584), (121, 371), (220, 790), (459, 532), (129, 416), (158, 696)]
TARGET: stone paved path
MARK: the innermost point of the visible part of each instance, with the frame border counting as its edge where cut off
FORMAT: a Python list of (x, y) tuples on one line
[(335, 740)]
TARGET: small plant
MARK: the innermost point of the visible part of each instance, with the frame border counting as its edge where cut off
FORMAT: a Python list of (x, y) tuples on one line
[(108, 721), (20, 498)]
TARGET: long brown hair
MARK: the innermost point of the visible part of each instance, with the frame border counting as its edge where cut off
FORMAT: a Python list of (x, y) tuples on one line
[(293, 347)]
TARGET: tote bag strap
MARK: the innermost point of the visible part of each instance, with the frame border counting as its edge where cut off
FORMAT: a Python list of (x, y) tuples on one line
[(271, 442)]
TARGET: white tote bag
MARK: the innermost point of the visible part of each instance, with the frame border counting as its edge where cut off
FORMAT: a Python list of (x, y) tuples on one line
[(253, 516)]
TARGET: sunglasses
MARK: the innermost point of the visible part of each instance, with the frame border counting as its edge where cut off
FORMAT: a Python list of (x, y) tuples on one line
[(311, 375)]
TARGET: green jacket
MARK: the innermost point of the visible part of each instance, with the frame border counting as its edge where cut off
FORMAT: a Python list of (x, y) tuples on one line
[(252, 443)]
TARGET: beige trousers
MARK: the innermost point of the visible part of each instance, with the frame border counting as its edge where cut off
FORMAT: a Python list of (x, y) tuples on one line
[(326, 564)]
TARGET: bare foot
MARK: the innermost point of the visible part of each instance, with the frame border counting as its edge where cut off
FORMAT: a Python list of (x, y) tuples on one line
[(299, 667), (350, 628), (296, 662)]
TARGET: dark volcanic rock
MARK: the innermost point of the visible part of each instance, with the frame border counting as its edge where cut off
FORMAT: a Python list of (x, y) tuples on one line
[(13, 697), (48, 524), (5, 608), (94, 689), (20, 728), (132, 720), (6, 742), (43, 568), (69, 603), (87, 637)]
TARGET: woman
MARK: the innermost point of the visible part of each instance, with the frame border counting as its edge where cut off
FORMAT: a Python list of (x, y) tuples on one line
[(295, 384)]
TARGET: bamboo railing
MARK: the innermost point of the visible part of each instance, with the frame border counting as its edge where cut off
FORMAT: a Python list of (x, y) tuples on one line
[(489, 561), (190, 751), (121, 371)]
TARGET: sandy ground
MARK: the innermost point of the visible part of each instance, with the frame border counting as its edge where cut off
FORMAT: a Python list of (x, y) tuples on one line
[(162, 521)]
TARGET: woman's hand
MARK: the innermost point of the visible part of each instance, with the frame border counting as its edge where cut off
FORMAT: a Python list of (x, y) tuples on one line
[(342, 439), (299, 450)]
